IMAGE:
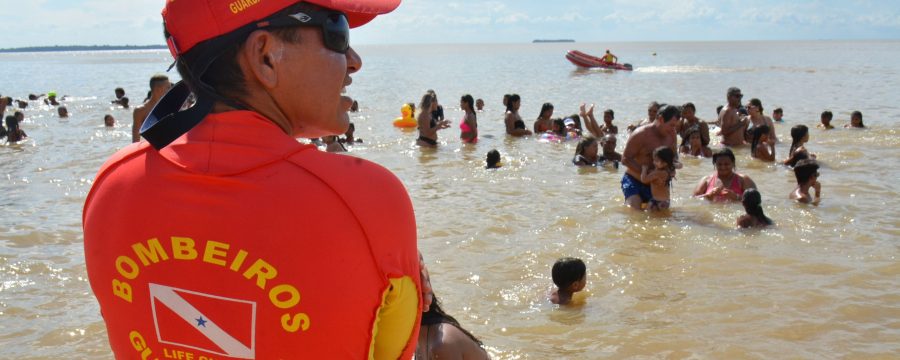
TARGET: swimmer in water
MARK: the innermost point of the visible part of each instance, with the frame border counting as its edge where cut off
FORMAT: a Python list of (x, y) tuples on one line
[(109, 120), (428, 124), (479, 104), (799, 137), (14, 134), (469, 125), (63, 112), (807, 173), (569, 276), (609, 156), (120, 93), (660, 178), (856, 120), (692, 143), (760, 146), (778, 115), (515, 126), (825, 120), (493, 160), (544, 120), (586, 152), (754, 216)]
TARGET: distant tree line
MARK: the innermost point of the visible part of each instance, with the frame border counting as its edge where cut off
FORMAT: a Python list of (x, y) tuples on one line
[(82, 48)]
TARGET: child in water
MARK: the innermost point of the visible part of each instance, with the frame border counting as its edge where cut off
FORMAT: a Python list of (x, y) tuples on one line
[(760, 147), (807, 173), (14, 134), (856, 120), (660, 178), (609, 156), (755, 217), (493, 160), (778, 115), (799, 137), (586, 152), (569, 276), (692, 143), (825, 120)]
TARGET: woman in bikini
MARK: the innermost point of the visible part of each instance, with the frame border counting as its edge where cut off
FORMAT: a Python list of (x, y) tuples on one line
[(428, 125), (724, 185)]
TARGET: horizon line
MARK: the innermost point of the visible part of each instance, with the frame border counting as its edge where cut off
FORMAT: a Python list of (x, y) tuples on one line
[(37, 48)]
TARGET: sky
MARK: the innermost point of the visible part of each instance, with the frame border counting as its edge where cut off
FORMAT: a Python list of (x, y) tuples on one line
[(137, 22)]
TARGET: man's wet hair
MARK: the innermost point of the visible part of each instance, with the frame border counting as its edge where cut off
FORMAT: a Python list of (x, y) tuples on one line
[(779, 111), (670, 112), (827, 115), (689, 105), (610, 112), (805, 169), (157, 80), (567, 271)]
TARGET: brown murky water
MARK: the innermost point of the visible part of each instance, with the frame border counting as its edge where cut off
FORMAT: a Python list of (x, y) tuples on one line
[(822, 283)]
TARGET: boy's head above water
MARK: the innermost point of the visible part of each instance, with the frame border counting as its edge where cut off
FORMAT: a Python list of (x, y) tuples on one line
[(569, 274)]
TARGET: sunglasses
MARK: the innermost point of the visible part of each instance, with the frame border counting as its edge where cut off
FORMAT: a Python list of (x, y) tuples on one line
[(167, 121), (334, 25)]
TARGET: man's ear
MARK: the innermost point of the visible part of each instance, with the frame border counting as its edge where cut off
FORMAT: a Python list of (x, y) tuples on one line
[(258, 59)]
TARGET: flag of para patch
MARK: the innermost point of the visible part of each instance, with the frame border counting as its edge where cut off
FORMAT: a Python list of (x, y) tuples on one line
[(210, 323)]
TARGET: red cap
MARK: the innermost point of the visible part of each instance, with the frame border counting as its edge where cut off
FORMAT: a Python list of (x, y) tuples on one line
[(191, 22)]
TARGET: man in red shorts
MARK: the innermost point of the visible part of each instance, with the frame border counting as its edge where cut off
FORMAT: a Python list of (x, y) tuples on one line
[(221, 236)]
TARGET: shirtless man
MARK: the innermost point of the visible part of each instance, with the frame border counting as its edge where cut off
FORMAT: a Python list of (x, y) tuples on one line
[(733, 125), (159, 85), (639, 153)]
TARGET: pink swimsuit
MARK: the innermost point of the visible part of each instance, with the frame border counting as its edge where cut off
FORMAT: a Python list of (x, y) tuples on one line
[(465, 128), (735, 186)]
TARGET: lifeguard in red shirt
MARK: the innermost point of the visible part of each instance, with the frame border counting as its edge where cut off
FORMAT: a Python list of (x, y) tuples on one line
[(221, 236)]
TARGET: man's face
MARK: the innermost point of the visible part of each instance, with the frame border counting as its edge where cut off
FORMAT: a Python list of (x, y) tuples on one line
[(687, 113), (311, 79), (652, 112)]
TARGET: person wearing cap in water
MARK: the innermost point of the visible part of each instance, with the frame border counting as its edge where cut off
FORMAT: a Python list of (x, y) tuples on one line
[(609, 58), (51, 99), (200, 243)]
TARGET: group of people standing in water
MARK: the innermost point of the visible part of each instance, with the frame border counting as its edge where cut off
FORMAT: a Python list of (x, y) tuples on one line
[(652, 150)]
